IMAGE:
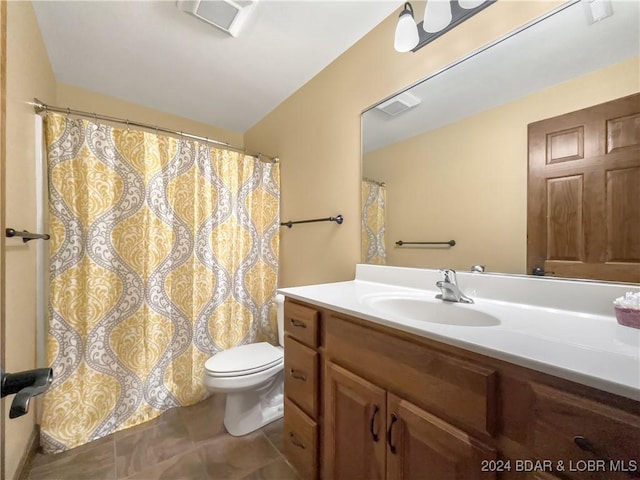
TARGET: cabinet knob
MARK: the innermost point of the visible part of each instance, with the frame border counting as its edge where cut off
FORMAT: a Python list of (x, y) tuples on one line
[(297, 376), (297, 323), (296, 442), (584, 444)]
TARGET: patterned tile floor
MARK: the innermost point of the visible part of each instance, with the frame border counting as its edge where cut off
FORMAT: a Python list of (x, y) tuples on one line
[(183, 443)]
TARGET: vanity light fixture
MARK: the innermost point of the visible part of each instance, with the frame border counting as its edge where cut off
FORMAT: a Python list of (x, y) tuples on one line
[(440, 16)]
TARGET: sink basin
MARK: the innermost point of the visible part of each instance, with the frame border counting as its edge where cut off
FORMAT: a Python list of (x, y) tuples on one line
[(426, 309)]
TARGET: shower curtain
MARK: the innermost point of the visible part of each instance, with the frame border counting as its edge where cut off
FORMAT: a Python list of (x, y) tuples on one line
[(373, 222), (163, 252)]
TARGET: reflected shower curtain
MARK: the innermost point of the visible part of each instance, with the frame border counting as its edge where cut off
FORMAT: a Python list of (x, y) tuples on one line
[(163, 252), (373, 222)]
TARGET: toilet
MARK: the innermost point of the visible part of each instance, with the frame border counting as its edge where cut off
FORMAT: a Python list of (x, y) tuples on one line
[(252, 376)]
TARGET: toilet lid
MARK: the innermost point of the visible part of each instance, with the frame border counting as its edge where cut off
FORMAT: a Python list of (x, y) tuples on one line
[(243, 360)]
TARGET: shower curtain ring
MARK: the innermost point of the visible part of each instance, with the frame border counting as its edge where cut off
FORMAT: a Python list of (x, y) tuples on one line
[(68, 112), (127, 124), (157, 130)]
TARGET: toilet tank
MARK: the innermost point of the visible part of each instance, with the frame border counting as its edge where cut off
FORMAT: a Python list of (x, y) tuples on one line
[(280, 317)]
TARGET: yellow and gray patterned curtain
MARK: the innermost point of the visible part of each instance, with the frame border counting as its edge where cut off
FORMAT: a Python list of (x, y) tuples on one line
[(163, 252), (373, 222)]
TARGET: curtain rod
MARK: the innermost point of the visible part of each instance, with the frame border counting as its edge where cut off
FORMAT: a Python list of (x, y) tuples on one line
[(43, 107), (380, 184)]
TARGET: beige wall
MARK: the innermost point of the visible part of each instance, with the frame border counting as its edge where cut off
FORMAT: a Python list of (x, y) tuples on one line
[(316, 133), (468, 181), (29, 74), (81, 99)]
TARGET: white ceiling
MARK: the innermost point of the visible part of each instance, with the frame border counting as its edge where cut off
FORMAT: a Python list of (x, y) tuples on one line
[(557, 49), (153, 54)]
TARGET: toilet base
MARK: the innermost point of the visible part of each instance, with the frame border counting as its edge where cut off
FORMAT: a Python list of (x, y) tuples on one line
[(248, 411)]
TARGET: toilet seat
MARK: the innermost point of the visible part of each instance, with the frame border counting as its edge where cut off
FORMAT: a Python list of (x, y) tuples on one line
[(244, 360)]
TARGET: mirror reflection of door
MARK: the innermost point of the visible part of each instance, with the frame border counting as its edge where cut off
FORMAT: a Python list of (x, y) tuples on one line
[(584, 193)]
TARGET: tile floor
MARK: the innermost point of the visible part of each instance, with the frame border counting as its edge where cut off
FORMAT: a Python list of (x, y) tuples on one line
[(183, 443)]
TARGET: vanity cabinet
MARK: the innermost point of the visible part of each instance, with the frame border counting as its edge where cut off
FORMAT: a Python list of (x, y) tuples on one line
[(390, 404)]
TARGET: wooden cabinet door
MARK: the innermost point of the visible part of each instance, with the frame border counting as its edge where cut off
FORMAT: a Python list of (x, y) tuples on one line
[(422, 446), (354, 435), (584, 193)]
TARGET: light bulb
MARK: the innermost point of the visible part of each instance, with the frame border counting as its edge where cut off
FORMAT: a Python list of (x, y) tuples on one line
[(437, 15), (469, 4), (406, 37)]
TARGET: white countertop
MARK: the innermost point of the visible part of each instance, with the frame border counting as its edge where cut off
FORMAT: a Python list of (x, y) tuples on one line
[(586, 347)]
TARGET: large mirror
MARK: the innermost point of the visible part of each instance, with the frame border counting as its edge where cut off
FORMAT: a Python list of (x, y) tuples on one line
[(447, 159)]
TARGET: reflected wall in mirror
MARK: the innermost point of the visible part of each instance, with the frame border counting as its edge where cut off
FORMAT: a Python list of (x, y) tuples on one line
[(455, 165)]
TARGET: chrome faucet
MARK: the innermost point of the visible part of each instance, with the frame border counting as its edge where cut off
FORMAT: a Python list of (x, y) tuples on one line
[(449, 288)]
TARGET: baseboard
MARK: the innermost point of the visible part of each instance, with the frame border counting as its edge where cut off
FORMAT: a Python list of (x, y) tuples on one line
[(29, 454)]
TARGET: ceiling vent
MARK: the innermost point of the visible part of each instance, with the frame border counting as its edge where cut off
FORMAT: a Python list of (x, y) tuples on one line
[(227, 15), (399, 104)]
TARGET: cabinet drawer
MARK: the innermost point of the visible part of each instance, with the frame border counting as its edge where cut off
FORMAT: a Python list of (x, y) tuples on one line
[(300, 440), (301, 376), (577, 430), (461, 392), (301, 323)]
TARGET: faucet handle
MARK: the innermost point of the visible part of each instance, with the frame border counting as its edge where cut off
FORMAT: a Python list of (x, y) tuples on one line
[(449, 275)]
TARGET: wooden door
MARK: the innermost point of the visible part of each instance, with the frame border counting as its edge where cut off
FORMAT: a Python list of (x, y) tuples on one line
[(422, 446), (584, 193), (354, 440)]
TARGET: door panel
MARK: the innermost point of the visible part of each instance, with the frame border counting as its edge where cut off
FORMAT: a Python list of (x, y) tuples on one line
[(623, 132), (354, 442), (422, 446), (584, 193), (564, 218), (622, 208), (565, 145)]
